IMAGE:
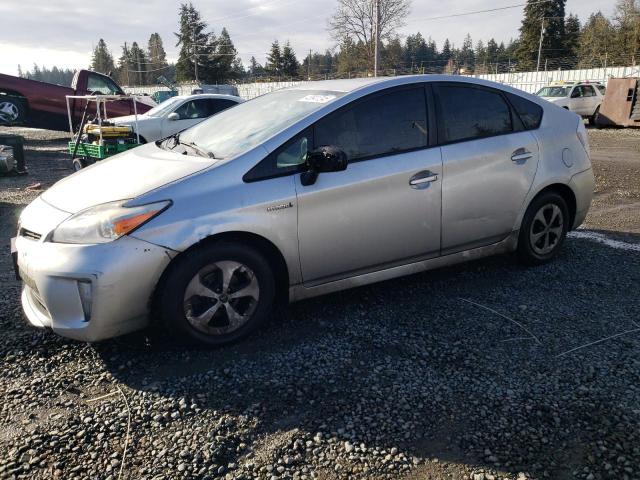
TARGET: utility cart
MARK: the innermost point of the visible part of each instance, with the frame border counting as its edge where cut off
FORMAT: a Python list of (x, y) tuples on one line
[(98, 138)]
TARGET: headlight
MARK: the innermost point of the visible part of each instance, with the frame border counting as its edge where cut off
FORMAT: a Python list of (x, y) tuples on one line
[(106, 222)]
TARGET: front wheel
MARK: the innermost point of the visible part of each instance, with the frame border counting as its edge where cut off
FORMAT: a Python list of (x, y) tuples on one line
[(12, 110), (543, 229), (217, 294), (593, 119)]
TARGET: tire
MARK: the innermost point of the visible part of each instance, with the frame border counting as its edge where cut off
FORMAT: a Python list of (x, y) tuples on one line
[(543, 230), (12, 110), (77, 164), (593, 119), (193, 305)]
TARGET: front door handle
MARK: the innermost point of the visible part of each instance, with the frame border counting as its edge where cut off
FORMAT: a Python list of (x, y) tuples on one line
[(422, 178), (521, 155)]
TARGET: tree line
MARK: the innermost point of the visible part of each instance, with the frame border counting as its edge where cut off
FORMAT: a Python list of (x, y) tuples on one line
[(212, 58)]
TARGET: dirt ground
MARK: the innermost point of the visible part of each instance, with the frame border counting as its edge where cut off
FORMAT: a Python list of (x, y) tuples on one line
[(481, 371)]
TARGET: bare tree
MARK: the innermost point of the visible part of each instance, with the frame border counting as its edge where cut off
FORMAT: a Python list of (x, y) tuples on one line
[(355, 19)]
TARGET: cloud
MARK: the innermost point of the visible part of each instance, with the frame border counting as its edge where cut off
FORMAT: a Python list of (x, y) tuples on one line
[(63, 32)]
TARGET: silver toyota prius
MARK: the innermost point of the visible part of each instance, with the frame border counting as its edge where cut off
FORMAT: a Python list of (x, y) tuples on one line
[(304, 191)]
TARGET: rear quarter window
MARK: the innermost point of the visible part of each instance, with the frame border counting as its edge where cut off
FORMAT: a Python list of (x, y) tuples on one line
[(529, 112)]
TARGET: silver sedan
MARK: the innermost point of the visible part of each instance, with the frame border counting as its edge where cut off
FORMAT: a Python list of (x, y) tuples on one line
[(297, 193)]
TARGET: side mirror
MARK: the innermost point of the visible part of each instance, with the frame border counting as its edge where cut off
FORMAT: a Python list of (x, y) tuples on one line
[(173, 116), (575, 93), (322, 160)]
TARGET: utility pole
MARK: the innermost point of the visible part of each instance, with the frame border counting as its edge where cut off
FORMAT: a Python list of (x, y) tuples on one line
[(540, 46), (376, 16), (195, 56), (126, 60), (309, 66)]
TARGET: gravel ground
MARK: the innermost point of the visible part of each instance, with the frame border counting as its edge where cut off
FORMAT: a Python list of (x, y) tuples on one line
[(465, 372)]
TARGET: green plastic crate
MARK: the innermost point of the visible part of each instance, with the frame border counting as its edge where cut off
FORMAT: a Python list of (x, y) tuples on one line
[(100, 151)]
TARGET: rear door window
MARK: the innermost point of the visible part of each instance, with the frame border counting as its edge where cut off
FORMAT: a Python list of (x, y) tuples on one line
[(468, 112), (382, 124)]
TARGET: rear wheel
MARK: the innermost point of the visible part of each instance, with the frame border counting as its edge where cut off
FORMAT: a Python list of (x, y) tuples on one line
[(217, 294), (12, 110), (543, 229)]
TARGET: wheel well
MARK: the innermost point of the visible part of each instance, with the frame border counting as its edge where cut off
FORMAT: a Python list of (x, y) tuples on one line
[(259, 243), (18, 95), (567, 194)]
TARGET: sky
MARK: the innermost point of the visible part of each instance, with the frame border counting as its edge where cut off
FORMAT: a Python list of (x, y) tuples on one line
[(64, 32)]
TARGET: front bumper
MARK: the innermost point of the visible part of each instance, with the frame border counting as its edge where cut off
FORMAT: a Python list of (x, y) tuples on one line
[(89, 292)]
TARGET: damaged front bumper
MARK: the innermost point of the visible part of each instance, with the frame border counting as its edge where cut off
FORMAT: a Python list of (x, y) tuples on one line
[(89, 292)]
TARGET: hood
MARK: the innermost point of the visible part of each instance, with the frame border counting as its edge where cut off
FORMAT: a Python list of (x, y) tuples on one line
[(128, 120), (123, 176), (146, 100)]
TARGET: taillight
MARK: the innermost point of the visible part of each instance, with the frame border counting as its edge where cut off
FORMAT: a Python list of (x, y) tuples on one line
[(583, 137)]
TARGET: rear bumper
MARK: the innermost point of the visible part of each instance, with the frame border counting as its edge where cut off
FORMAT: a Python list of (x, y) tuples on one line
[(582, 184), (89, 292)]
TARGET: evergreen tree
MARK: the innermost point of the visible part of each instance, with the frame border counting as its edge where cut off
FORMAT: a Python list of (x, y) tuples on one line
[(481, 58), (59, 76), (274, 60), (157, 57), (416, 51), (627, 23), (571, 40), (596, 40), (535, 12), (467, 58), (20, 73), (349, 61), (393, 55), (255, 69), (221, 64), (124, 65), (102, 60), (290, 65), (445, 55), (193, 41), (139, 64)]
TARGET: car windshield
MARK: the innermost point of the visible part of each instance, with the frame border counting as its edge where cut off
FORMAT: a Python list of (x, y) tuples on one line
[(238, 129), (164, 107), (554, 92)]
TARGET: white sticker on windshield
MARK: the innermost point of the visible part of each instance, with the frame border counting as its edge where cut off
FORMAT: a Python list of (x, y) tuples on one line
[(317, 98)]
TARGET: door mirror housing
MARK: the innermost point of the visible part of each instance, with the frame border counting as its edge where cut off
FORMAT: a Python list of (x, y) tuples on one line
[(173, 116), (322, 160), (575, 93)]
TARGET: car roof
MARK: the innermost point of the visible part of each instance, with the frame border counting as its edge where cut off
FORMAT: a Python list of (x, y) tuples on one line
[(353, 84), (208, 95)]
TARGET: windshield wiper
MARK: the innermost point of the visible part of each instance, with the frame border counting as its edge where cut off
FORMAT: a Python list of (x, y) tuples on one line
[(197, 148), (191, 145)]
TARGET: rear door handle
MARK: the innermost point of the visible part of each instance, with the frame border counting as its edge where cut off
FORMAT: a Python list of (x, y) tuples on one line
[(521, 155), (422, 178)]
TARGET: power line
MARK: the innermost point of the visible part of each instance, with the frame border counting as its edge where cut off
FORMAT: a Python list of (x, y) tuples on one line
[(488, 10)]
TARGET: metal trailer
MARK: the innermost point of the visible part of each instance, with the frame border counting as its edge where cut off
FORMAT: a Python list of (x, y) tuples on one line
[(621, 105), (90, 152)]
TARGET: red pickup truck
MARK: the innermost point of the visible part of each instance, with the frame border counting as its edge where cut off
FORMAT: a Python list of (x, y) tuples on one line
[(40, 104)]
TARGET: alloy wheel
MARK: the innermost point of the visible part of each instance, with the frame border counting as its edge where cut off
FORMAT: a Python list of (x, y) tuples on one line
[(221, 297), (546, 229), (9, 112)]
